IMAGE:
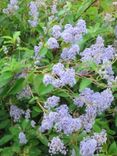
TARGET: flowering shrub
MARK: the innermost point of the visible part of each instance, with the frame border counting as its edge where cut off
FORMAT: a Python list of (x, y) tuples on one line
[(58, 83)]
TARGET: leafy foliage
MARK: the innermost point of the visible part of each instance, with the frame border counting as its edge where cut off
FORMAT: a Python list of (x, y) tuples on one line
[(22, 73)]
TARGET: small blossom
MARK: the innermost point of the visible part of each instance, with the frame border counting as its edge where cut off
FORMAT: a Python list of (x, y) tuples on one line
[(11, 8), (52, 102), (16, 113), (27, 114), (70, 54), (34, 14), (56, 146), (56, 31), (48, 79), (52, 43), (88, 147), (33, 123), (25, 93), (22, 138)]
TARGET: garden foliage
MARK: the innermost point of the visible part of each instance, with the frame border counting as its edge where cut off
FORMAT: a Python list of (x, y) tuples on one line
[(58, 83)]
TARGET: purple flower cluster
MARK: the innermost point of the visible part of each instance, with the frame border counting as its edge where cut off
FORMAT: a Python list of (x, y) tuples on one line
[(22, 138), (34, 14), (25, 93), (56, 146), (52, 102), (101, 137), (88, 147), (11, 8), (103, 56), (70, 53), (56, 31), (95, 103), (33, 123), (97, 52), (106, 72), (27, 114), (54, 9), (60, 76), (88, 119), (37, 55), (74, 34), (52, 43), (16, 113), (48, 121), (61, 120), (70, 35), (92, 144), (99, 101), (37, 49)]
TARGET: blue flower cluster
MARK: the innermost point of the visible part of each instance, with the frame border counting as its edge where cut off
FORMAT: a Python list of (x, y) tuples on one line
[(71, 35), (52, 43), (16, 113), (11, 8), (60, 76), (95, 104), (99, 101), (56, 146), (37, 49), (92, 144), (97, 52), (33, 13), (56, 31), (22, 138), (106, 72), (25, 93), (103, 56), (70, 53), (61, 119), (52, 102), (74, 34)]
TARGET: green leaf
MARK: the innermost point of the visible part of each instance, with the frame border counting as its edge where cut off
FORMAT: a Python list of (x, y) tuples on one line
[(113, 148), (5, 77), (42, 138), (16, 36), (61, 93), (84, 83), (84, 6), (37, 80), (116, 120), (96, 128), (43, 51), (7, 152), (37, 109), (39, 87), (18, 86), (5, 139), (62, 12), (4, 124), (35, 152), (25, 124), (43, 90), (7, 37)]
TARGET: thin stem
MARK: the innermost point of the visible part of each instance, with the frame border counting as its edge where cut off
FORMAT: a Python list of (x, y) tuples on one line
[(43, 109)]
